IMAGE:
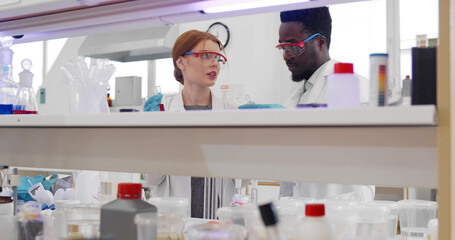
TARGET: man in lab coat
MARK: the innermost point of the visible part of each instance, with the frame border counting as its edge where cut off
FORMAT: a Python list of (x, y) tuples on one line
[(304, 38)]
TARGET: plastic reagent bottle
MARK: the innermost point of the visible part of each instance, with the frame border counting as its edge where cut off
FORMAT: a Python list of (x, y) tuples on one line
[(271, 222), (25, 102), (8, 87), (343, 87), (315, 226), (406, 91), (117, 217)]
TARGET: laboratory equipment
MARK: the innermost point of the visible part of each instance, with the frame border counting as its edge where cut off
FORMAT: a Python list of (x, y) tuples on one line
[(173, 213), (25, 102), (378, 79), (170, 226), (83, 221), (153, 104), (372, 221), (8, 87), (88, 86), (391, 215), (59, 214), (42, 196), (233, 215), (31, 224), (291, 212), (87, 187), (315, 225), (109, 184), (414, 216), (147, 226), (406, 91), (8, 227), (424, 76), (343, 87), (117, 217), (433, 225), (210, 231), (174, 205), (254, 192), (270, 218)]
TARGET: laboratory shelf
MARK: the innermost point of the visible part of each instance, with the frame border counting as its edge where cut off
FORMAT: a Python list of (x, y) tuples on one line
[(379, 116), (381, 146)]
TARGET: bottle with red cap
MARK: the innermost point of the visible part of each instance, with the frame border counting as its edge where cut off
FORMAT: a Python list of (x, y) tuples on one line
[(117, 217), (315, 226), (343, 87)]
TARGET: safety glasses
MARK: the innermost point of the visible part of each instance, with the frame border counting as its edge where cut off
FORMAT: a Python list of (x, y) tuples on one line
[(295, 49), (208, 57)]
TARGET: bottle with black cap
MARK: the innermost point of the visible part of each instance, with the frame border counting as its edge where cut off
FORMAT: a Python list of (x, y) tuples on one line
[(271, 222)]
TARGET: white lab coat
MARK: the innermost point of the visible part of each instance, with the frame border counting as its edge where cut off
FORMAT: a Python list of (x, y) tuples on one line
[(318, 94), (180, 186), (175, 103)]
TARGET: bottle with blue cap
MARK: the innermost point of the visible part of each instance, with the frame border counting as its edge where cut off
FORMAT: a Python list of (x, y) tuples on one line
[(25, 102), (8, 87)]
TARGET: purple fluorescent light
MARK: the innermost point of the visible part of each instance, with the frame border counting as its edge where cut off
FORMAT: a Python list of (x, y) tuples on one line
[(251, 5)]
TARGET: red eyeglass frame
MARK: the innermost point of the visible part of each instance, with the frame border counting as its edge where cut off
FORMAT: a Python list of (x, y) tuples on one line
[(196, 54)]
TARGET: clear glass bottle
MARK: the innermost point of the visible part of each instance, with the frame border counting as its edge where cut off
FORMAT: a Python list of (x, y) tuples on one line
[(25, 102), (8, 87)]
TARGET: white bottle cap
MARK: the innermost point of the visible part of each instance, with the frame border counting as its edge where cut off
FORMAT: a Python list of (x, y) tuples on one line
[(6, 56), (26, 77)]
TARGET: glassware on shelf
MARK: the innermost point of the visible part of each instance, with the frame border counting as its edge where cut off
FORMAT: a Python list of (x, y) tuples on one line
[(25, 102), (8, 87), (88, 86)]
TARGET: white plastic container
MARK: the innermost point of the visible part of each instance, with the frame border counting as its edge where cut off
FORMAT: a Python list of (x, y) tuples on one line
[(343, 87), (392, 215), (378, 79), (414, 216), (59, 215), (314, 225), (433, 229)]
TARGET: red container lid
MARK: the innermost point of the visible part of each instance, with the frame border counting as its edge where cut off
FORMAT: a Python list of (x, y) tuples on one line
[(129, 191), (344, 68), (315, 210)]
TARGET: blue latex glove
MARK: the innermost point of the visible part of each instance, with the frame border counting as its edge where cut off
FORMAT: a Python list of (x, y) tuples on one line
[(153, 103), (257, 106), (27, 182)]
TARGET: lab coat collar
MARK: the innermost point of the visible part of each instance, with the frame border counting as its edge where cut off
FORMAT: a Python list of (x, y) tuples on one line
[(176, 105), (318, 80)]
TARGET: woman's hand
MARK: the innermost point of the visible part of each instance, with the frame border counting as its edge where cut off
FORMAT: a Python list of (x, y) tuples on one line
[(153, 103)]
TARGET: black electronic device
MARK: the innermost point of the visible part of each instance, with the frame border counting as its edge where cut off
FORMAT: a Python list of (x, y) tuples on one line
[(424, 75)]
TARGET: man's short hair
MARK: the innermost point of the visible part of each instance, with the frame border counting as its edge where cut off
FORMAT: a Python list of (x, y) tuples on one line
[(315, 20)]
